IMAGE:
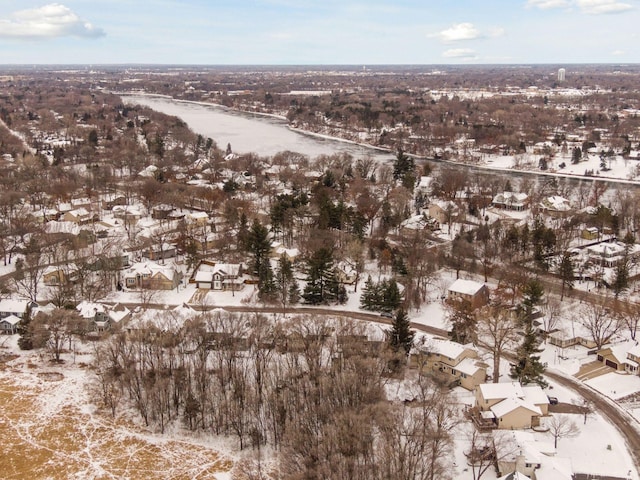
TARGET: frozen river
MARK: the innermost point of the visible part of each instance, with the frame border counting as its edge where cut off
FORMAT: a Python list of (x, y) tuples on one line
[(248, 132)]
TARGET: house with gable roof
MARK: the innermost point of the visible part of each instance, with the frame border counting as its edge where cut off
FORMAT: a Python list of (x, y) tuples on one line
[(9, 325), (511, 405), (101, 317), (453, 363), (511, 201), (152, 276), (210, 275), (475, 293), (555, 206)]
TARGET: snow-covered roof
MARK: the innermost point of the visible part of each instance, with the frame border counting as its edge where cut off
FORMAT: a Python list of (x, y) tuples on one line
[(11, 320), (465, 287), (513, 198), (62, 227), (469, 366), (232, 269), (445, 348), (13, 306), (89, 309), (510, 404), (151, 268), (492, 391), (557, 203), (535, 395)]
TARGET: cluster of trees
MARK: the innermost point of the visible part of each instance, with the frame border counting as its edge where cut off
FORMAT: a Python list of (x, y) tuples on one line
[(382, 296), (311, 389)]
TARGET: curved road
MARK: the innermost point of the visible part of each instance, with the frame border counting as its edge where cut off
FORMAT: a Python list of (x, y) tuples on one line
[(628, 426)]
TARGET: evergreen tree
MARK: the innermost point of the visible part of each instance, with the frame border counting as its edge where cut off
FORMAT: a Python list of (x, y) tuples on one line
[(391, 297), (404, 170), (528, 368), (25, 342), (294, 293), (368, 297), (284, 279), (259, 245), (322, 286), (243, 233), (621, 278), (566, 273), (401, 335)]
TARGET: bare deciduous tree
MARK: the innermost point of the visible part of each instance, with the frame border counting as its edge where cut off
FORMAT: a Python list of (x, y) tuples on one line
[(601, 321), (562, 426)]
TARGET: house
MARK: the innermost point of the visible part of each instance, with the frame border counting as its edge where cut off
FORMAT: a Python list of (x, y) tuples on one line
[(453, 363), (607, 254), (79, 216), (476, 294), (218, 276), (589, 233), (519, 452), (511, 405), (622, 357), (197, 218), (9, 325), (18, 308), (54, 276), (112, 199), (511, 201), (161, 212), (101, 317), (152, 276), (277, 250), (555, 206), (160, 252), (444, 212)]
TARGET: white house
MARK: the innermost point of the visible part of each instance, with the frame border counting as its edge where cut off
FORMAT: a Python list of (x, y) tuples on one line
[(218, 276)]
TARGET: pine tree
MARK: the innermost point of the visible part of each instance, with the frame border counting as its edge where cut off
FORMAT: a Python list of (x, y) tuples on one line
[(391, 296), (401, 336), (566, 273), (25, 342), (259, 245), (621, 278), (528, 368), (322, 286), (284, 279), (368, 297), (294, 293)]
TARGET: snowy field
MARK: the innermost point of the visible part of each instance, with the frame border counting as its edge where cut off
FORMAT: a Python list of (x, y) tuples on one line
[(51, 429)]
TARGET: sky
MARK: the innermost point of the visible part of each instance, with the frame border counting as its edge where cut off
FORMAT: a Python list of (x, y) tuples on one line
[(315, 32)]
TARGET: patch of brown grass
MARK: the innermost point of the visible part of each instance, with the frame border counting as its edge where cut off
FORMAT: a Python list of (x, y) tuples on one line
[(69, 443)]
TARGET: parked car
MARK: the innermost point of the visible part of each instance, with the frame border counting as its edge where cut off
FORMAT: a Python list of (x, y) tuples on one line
[(386, 315), (552, 400)]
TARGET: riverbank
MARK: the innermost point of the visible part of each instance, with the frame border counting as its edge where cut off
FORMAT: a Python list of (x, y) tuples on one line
[(625, 171)]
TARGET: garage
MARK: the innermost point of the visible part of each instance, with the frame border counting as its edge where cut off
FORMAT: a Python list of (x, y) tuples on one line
[(611, 363)]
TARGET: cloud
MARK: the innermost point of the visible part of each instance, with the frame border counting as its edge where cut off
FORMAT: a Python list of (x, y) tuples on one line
[(459, 32), (617, 52), (462, 53), (597, 7), (547, 4), (591, 7), (49, 21)]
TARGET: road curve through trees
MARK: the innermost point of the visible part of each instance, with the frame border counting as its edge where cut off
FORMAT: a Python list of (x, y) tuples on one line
[(627, 425)]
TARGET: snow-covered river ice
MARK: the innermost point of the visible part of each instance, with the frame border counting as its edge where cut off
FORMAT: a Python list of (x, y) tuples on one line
[(247, 132)]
